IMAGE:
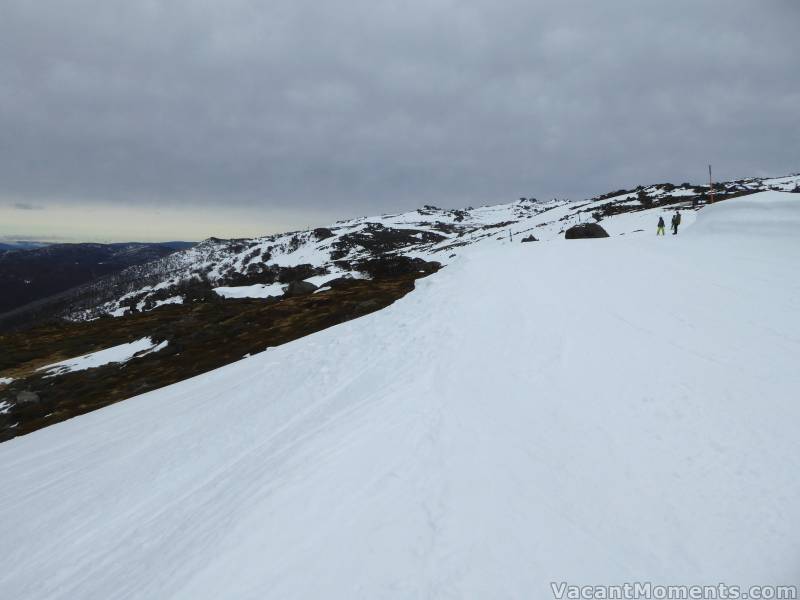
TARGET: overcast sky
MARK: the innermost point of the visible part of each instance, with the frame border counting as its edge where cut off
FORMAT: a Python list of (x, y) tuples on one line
[(181, 119)]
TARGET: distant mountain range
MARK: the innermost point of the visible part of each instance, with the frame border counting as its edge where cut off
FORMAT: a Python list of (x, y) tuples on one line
[(31, 271), (21, 245), (32, 245)]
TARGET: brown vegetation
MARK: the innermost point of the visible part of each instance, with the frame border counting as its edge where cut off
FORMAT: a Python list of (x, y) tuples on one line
[(202, 336)]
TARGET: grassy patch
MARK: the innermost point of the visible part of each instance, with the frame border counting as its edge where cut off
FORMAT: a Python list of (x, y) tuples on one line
[(202, 336)]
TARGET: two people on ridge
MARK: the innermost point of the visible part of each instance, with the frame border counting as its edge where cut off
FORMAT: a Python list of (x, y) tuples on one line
[(676, 220)]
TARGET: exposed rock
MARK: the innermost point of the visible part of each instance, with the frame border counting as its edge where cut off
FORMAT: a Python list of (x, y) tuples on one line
[(585, 231), (298, 273), (299, 288), (322, 233), (339, 282), (395, 266), (368, 305), (26, 397), (498, 225), (376, 239), (530, 238)]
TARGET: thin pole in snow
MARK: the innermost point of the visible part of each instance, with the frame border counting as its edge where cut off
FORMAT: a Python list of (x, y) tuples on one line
[(710, 185)]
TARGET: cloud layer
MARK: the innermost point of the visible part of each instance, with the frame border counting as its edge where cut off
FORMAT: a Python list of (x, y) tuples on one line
[(368, 106)]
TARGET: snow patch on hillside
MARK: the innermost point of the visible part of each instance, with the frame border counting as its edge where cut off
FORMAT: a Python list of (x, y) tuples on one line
[(171, 300), (258, 290), (115, 354)]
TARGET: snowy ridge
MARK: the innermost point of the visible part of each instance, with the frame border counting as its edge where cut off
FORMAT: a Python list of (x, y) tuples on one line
[(594, 424), (429, 233)]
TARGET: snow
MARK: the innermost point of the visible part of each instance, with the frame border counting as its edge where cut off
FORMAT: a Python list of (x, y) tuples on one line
[(272, 290), (171, 300), (603, 411), (786, 184), (216, 260), (258, 290), (5, 380), (767, 213), (644, 221), (683, 192), (320, 280), (115, 354), (154, 349), (5, 407)]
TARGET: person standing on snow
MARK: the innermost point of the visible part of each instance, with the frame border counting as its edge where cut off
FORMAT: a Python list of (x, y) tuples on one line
[(660, 229), (676, 220)]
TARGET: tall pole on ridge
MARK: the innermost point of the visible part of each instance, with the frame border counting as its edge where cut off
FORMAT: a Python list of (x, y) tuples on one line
[(710, 185)]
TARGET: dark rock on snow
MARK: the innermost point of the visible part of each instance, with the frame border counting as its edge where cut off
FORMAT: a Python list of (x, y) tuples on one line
[(585, 231), (299, 288), (322, 233), (338, 282), (530, 238), (395, 266)]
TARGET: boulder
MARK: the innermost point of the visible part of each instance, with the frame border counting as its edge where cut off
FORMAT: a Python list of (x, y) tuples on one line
[(322, 233), (339, 282), (396, 266), (298, 273), (585, 231), (530, 238), (26, 397), (299, 288)]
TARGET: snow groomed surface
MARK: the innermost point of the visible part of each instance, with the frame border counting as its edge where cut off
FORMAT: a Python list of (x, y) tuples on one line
[(591, 411)]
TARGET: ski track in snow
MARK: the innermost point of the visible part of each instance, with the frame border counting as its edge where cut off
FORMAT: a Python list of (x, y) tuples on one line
[(595, 411)]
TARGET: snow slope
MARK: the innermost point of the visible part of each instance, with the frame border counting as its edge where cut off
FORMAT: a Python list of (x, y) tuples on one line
[(428, 233), (625, 411)]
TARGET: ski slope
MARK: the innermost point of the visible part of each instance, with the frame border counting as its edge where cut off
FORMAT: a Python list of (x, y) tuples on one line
[(590, 411)]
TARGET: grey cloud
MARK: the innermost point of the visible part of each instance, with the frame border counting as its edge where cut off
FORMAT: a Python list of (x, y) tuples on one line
[(27, 206), (368, 106)]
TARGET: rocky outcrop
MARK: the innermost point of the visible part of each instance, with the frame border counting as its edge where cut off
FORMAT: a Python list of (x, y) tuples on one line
[(322, 233), (377, 239), (396, 266), (299, 288), (585, 231)]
